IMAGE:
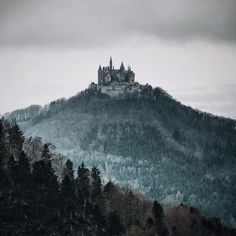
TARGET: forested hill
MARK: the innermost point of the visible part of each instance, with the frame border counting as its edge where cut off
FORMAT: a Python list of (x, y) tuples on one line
[(148, 141), (24, 114), (38, 197)]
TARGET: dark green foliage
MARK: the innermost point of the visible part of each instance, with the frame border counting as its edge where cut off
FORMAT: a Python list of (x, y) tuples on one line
[(83, 184), (46, 193), (158, 215), (16, 140), (67, 199), (108, 188), (34, 202), (23, 169), (149, 223), (157, 211), (114, 226), (68, 191), (69, 171), (96, 185), (12, 168)]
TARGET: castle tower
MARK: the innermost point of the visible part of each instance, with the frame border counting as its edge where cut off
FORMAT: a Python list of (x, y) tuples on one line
[(122, 73), (100, 75), (122, 68), (110, 64)]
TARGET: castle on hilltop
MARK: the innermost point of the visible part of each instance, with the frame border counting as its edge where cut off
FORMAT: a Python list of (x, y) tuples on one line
[(114, 82), (109, 74)]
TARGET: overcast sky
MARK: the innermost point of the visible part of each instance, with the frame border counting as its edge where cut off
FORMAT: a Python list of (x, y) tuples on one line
[(52, 48)]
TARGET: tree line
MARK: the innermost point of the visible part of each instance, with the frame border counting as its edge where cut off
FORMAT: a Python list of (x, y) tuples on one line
[(34, 200)]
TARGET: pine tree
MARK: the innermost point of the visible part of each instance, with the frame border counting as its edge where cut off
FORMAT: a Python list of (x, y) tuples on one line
[(12, 168), (68, 170), (83, 193), (157, 211), (16, 140), (158, 214), (46, 190), (23, 178), (109, 188), (83, 183), (114, 226), (97, 219), (23, 169), (67, 194), (96, 184)]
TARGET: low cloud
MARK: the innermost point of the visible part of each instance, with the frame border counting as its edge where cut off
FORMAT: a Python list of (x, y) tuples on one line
[(90, 23)]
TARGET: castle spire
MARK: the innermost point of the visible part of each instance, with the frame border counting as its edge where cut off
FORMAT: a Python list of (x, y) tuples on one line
[(110, 63), (122, 68)]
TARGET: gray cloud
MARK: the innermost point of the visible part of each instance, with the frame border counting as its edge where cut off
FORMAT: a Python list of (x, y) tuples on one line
[(91, 22)]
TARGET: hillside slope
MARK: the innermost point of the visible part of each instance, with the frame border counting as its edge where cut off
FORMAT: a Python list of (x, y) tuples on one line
[(39, 197), (148, 141)]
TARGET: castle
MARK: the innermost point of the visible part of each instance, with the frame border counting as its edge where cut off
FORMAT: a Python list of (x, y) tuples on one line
[(114, 82)]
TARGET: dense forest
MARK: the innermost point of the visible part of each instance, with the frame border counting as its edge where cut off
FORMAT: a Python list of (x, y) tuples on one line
[(38, 197), (148, 141)]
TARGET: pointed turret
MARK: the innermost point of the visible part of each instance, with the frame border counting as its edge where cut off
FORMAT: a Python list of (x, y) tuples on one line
[(100, 75), (110, 63), (122, 68)]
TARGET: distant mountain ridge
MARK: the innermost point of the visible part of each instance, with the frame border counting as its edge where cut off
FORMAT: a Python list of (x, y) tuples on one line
[(148, 141)]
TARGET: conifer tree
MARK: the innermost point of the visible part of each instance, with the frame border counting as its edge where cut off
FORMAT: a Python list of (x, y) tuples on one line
[(23, 169), (23, 178), (109, 189), (46, 189), (16, 140), (96, 184), (68, 170), (83, 193), (158, 214), (114, 226), (157, 211), (83, 183), (12, 168), (67, 195)]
